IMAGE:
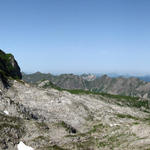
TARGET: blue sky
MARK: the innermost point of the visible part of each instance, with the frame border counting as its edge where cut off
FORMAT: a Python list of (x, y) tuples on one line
[(58, 36)]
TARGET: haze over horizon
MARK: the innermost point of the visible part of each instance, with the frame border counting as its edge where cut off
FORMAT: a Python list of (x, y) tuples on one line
[(78, 36)]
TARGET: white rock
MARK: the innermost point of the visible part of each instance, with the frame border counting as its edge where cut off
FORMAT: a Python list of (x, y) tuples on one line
[(6, 112), (22, 146), (111, 125)]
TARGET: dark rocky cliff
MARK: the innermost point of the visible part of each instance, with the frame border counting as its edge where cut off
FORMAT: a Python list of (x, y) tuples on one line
[(8, 68)]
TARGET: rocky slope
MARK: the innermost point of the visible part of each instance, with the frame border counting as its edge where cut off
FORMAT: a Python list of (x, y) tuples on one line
[(122, 86), (49, 118)]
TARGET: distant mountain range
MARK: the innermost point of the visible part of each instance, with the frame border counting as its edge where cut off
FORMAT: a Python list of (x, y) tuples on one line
[(145, 78), (131, 86), (115, 75)]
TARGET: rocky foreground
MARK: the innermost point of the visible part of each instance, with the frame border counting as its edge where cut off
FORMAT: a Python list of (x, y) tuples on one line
[(51, 119)]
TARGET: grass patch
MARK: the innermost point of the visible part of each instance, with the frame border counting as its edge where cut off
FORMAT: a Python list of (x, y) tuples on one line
[(147, 120), (40, 139), (127, 116), (54, 147), (88, 144), (96, 128), (113, 141), (125, 100), (42, 125)]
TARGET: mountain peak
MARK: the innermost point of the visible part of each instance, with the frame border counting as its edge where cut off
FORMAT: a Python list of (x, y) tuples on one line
[(8, 67)]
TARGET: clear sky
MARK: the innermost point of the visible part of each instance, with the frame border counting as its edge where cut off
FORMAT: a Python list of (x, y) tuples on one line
[(77, 36)]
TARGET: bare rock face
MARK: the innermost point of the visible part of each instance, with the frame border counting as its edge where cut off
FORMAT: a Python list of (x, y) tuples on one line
[(8, 68)]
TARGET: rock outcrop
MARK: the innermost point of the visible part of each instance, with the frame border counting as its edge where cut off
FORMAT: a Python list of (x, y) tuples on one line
[(8, 68)]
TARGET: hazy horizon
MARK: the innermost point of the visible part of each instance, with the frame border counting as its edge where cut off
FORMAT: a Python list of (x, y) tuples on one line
[(101, 36), (111, 74)]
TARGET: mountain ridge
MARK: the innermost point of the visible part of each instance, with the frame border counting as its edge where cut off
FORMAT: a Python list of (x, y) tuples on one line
[(9, 68), (123, 86)]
